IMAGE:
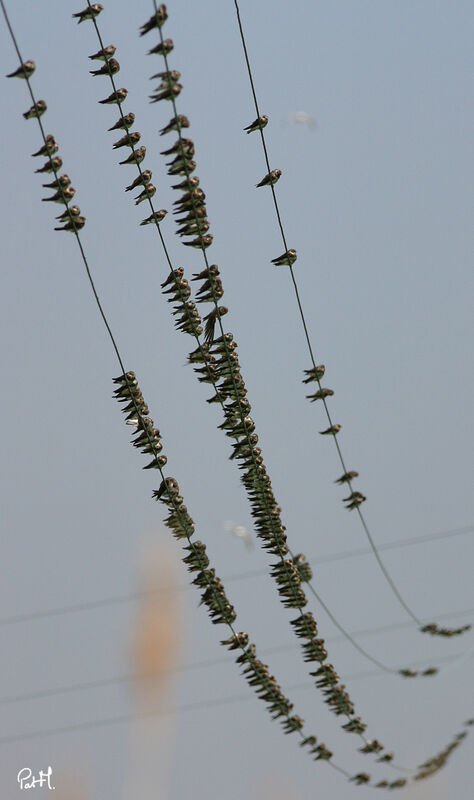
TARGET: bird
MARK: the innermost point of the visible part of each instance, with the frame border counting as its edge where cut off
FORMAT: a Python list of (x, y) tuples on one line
[(193, 195), (63, 180), (72, 211), (116, 97), (140, 180), (169, 486), (125, 122), (25, 70), (52, 165), (188, 183), (332, 430), (347, 477), (162, 48), (147, 192), (182, 168), (61, 196), (174, 276), (36, 110), (48, 148), (158, 216), (169, 93), (321, 394), (88, 13), (129, 140), (356, 501), (73, 225), (271, 178), (257, 124), (111, 67), (314, 374), (195, 214), (136, 157), (200, 241), (155, 21), (286, 258), (211, 272), (167, 77), (211, 319), (181, 145), (175, 124), (104, 54), (191, 228)]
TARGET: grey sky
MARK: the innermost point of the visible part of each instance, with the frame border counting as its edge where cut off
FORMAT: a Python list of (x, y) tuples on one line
[(375, 201)]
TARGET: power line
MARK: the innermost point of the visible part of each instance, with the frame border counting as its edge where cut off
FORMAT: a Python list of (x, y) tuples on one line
[(91, 605), (199, 704), (365, 526), (196, 665)]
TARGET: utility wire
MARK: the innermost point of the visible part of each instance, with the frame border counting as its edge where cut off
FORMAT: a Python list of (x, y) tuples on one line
[(91, 605), (197, 665), (198, 705), (374, 548)]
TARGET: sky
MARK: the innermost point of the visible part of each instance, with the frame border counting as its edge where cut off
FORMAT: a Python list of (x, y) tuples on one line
[(374, 198)]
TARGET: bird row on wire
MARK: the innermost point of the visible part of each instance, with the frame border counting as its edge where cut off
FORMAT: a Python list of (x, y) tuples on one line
[(216, 362), (63, 192)]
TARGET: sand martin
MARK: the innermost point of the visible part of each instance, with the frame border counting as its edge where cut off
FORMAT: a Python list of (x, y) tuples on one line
[(72, 211), (49, 148), (129, 140), (111, 67), (145, 177), (162, 48), (334, 429), (36, 111), (52, 165), (25, 70), (170, 93), (73, 225), (63, 180), (270, 179), (175, 124), (116, 97), (124, 123), (314, 374), (136, 157), (88, 13), (347, 477), (155, 21), (105, 54), (158, 216), (61, 196), (147, 192), (257, 124), (285, 259), (321, 394), (201, 242)]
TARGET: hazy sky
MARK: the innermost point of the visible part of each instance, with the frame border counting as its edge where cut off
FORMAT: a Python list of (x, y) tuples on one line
[(375, 200)]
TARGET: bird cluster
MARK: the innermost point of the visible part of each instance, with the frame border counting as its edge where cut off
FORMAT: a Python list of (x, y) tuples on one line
[(428, 768), (148, 439), (413, 673), (129, 138), (190, 211), (437, 630), (63, 192), (315, 374)]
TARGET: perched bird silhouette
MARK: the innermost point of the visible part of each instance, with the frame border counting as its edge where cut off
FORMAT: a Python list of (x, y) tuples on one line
[(167, 77), (136, 157), (104, 54), (72, 211), (286, 258), (314, 374), (175, 124), (147, 192), (188, 183), (124, 123), (270, 178), (162, 48), (210, 320), (25, 70), (332, 430), (183, 167), (182, 145), (61, 196), (116, 97), (155, 21), (321, 394), (36, 111), (169, 93), (140, 180), (88, 13), (49, 148), (200, 241), (111, 67), (63, 180), (158, 216), (129, 140), (347, 477), (73, 225), (212, 271), (257, 124), (174, 276), (52, 165)]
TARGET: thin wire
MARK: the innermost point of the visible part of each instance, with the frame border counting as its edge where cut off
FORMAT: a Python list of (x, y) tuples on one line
[(256, 573), (373, 546), (215, 662), (200, 704)]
